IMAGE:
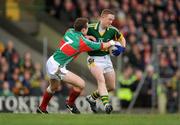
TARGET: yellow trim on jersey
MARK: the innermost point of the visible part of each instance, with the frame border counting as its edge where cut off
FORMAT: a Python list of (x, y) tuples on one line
[(121, 35), (96, 26), (92, 25)]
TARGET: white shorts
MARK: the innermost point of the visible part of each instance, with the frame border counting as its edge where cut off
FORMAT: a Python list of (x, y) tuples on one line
[(54, 70), (102, 61)]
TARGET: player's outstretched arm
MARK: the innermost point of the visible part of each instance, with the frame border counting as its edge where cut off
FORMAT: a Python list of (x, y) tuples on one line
[(87, 45)]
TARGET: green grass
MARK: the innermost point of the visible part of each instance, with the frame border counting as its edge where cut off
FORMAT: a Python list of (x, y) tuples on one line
[(88, 119)]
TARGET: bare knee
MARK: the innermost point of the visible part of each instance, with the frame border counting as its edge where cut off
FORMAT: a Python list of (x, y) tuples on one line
[(54, 85), (82, 84)]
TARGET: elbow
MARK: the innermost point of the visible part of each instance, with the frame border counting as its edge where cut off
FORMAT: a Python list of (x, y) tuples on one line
[(123, 42)]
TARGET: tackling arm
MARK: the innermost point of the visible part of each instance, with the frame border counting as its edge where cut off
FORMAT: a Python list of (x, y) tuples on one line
[(87, 45)]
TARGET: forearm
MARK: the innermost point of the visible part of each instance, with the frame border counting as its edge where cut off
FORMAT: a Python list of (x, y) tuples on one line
[(123, 42), (90, 37)]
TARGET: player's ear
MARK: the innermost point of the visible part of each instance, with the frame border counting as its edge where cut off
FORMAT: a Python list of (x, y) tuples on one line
[(83, 31), (102, 16)]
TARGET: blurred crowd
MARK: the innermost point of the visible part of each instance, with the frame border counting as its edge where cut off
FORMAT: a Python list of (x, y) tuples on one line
[(143, 23), (19, 76)]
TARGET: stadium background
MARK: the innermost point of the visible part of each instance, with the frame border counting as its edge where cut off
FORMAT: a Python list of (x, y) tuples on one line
[(148, 72)]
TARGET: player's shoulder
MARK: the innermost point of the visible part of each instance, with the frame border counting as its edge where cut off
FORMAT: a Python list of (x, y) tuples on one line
[(113, 29), (92, 25), (70, 30)]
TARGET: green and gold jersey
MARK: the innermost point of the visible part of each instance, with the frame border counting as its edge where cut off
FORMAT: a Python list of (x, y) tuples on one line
[(111, 33)]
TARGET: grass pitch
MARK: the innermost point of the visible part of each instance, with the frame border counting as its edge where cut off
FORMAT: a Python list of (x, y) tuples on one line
[(89, 119)]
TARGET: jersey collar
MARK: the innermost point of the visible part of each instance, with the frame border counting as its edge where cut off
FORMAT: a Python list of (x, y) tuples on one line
[(78, 32)]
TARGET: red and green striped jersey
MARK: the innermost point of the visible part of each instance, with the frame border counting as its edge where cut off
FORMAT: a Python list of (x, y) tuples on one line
[(111, 33), (72, 44)]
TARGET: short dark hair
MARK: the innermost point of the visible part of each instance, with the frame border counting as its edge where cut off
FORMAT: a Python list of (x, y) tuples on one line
[(80, 23), (107, 11)]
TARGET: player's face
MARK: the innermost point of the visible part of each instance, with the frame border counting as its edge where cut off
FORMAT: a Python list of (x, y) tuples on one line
[(107, 20)]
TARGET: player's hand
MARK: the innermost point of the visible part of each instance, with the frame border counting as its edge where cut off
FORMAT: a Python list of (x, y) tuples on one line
[(118, 51), (91, 38), (112, 42)]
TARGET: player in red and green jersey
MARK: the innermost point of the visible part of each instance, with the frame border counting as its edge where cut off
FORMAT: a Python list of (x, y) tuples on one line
[(99, 61), (72, 44)]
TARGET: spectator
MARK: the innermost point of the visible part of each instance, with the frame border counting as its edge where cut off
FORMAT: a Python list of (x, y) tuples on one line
[(4, 67), (27, 63), (9, 51), (145, 97), (15, 62), (37, 80), (26, 79), (54, 7), (14, 78), (16, 84), (68, 13), (128, 83), (6, 89), (172, 93), (136, 58)]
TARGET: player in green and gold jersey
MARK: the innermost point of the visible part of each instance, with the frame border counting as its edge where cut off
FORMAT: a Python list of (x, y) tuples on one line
[(99, 61)]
